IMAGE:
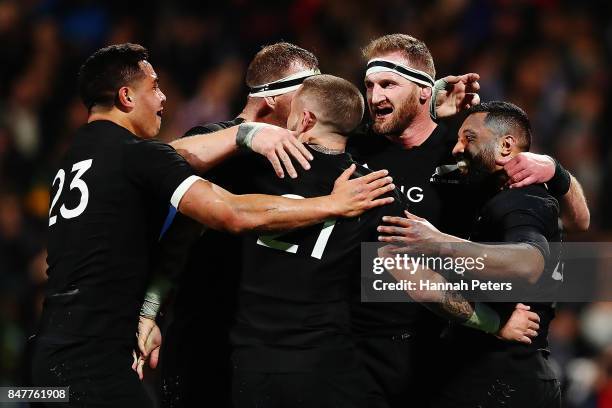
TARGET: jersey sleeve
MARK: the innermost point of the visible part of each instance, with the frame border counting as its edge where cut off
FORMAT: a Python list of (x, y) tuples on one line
[(213, 127), (160, 170), (529, 235), (527, 219), (204, 129), (229, 173)]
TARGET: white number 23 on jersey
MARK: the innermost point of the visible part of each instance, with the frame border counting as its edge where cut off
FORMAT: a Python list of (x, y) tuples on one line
[(80, 168)]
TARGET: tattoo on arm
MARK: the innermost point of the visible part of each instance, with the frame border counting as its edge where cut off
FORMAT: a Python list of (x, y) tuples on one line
[(448, 304), (452, 306)]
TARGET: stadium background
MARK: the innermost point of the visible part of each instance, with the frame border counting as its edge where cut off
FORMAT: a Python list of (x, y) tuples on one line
[(550, 57)]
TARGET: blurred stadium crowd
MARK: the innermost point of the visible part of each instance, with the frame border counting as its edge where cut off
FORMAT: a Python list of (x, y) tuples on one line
[(550, 57)]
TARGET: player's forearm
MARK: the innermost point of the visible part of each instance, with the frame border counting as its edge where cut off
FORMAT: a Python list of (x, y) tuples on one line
[(448, 304), (574, 209), (453, 306), (521, 262), (219, 209), (203, 152), (257, 212)]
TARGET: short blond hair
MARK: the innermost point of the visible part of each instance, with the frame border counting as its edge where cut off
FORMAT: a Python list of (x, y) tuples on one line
[(339, 102), (414, 50)]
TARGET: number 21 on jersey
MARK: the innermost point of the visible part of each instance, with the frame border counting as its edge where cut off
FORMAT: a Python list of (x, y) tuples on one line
[(80, 168), (270, 241)]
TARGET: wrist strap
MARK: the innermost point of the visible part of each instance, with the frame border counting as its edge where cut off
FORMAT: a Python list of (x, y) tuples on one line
[(484, 318), (439, 85), (150, 306), (246, 132), (559, 184)]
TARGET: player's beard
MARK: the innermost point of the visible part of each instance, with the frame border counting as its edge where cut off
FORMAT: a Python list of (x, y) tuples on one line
[(400, 119), (481, 166)]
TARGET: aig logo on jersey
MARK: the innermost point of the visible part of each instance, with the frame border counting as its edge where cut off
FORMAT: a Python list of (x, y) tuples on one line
[(414, 194)]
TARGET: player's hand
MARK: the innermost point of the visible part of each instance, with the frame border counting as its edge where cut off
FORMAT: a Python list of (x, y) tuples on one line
[(522, 326), (386, 251), (149, 342), (411, 233), (527, 168), (279, 145), (389, 251), (352, 197), (461, 92)]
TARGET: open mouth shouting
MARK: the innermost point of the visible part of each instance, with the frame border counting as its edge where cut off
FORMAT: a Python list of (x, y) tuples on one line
[(382, 112)]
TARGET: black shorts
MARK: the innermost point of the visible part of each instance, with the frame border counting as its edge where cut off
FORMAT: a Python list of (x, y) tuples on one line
[(311, 389), (335, 387), (185, 356), (401, 366), (497, 380), (98, 371)]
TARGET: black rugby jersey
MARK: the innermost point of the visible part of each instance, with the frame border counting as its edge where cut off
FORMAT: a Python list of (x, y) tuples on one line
[(206, 260), (520, 215), (206, 265), (412, 170), (108, 202), (294, 309)]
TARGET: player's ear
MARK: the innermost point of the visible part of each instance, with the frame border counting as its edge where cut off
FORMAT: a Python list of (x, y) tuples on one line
[(425, 93), (261, 106), (125, 99), (270, 102), (507, 144), (309, 120)]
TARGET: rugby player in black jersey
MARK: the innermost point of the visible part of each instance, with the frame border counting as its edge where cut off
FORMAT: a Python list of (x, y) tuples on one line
[(108, 200), (398, 341), (292, 340), (452, 97), (482, 370), (272, 76), (285, 65)]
